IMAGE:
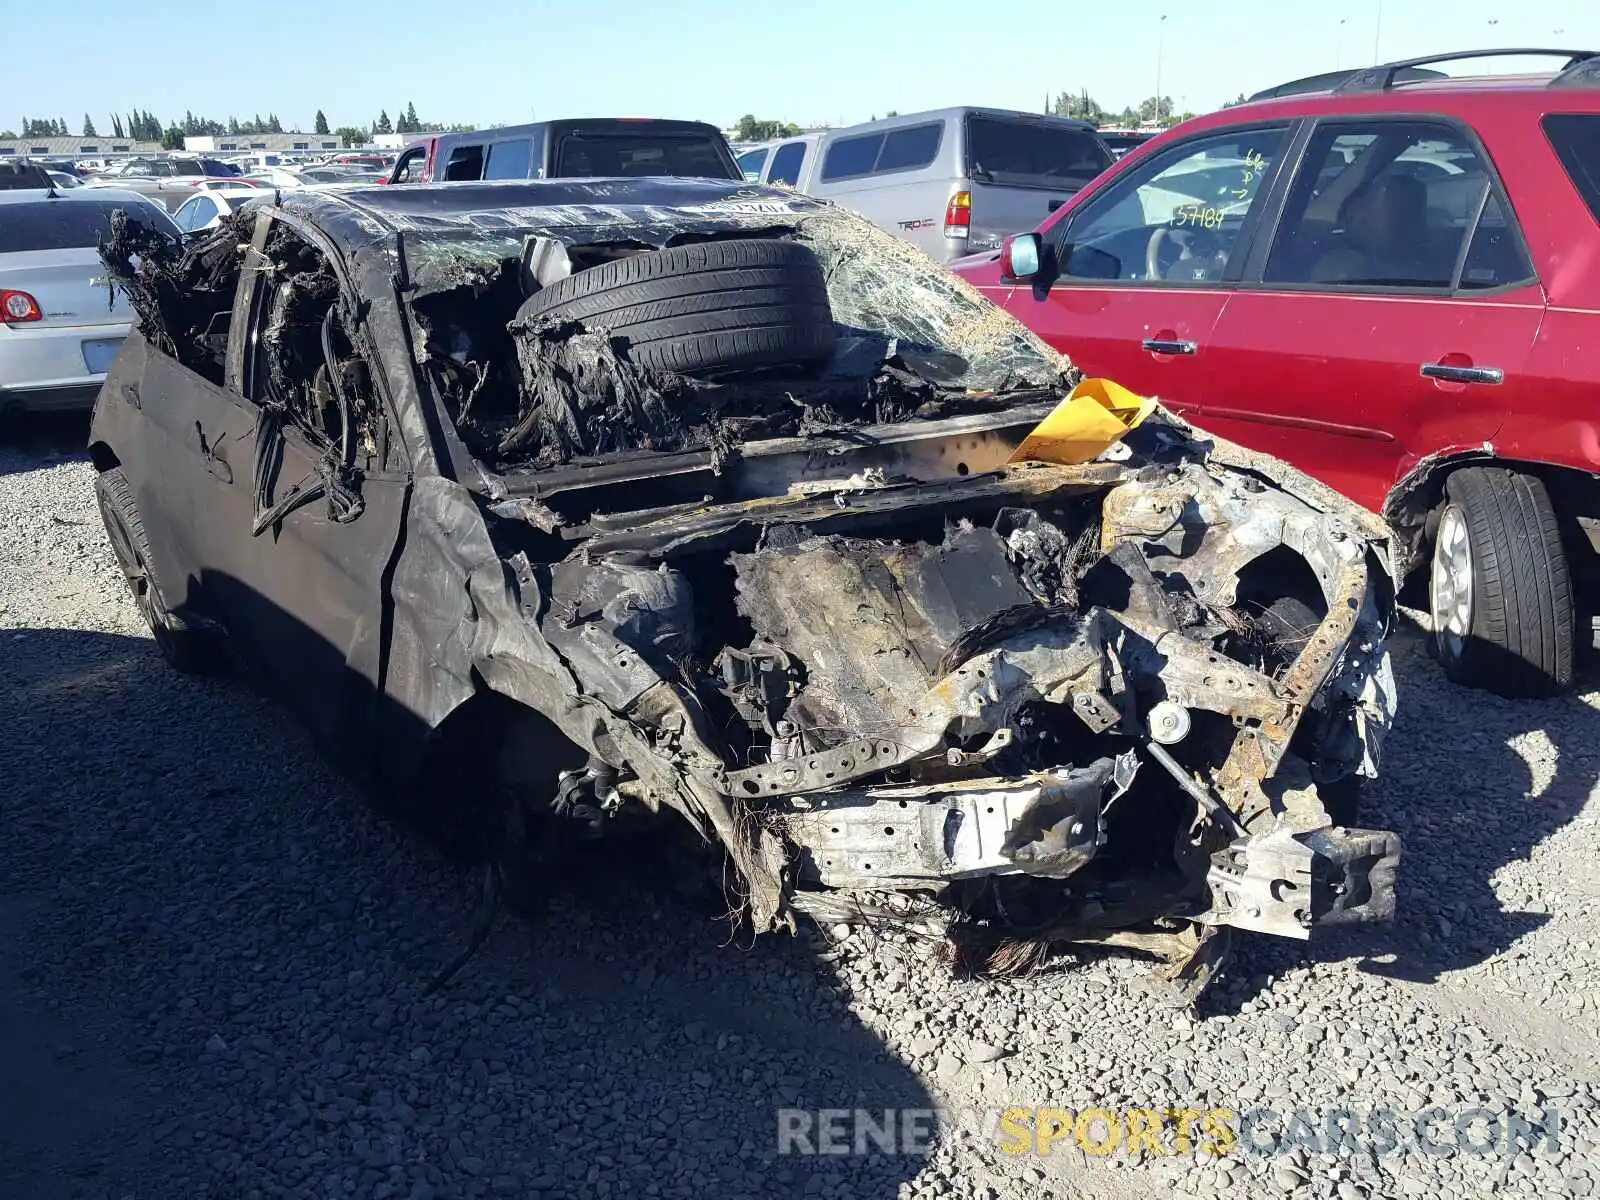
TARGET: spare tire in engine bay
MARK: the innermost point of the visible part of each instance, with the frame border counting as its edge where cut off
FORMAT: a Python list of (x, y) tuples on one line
[(704, 309)]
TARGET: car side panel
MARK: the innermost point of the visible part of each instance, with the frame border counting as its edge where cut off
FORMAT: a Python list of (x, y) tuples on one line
[(309, 597), (1558, 419), (1102, 329), (908, 204), (186, 448), (1332, 382)]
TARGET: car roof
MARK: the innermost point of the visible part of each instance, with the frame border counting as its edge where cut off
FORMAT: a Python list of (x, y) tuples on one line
[(1410, 82), (961, 110), (1475, 99), (233, 193), (72, 195)]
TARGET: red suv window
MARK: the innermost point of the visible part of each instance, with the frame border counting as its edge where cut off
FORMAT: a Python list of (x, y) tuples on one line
[(1409, 204), (1576, 140), (1176, 217)]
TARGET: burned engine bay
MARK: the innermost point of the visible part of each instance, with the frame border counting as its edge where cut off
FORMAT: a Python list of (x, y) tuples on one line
[(1049, 704), (895, 676)]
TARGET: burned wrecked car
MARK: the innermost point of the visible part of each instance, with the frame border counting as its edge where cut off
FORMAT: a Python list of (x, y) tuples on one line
[(569, 504)]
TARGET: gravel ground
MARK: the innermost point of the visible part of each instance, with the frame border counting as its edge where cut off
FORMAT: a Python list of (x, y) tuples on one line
[(213, 954)]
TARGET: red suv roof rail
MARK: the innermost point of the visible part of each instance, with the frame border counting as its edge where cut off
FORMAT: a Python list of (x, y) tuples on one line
[(1328, 81), (1583, 73), (1381, 78)]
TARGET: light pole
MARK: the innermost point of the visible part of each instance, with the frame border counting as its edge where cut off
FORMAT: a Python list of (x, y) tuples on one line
[(1377, 35), (1161, 38), (1338, 53), (1493, 21)]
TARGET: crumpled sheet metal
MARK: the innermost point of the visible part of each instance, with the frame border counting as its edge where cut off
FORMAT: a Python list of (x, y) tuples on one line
[(1046, 825)]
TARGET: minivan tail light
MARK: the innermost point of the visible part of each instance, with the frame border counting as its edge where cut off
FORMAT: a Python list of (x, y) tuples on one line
[(17, 308), (958, 215)]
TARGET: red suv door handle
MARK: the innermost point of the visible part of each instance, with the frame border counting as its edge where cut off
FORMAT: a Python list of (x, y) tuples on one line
[(1454, 374), (1169, 346)]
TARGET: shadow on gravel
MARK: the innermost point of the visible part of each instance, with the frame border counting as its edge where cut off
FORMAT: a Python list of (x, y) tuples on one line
[(1465, 803), (35, 439), (212, 959)]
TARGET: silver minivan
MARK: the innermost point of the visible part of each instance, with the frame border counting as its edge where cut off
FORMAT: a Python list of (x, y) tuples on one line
[(953, 181)]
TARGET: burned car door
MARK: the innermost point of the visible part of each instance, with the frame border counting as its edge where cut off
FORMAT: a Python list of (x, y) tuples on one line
[(184, 443), (326, 489)]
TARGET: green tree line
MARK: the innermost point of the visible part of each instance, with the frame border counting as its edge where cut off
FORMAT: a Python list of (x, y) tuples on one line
[(143, 126), (1086, 108)]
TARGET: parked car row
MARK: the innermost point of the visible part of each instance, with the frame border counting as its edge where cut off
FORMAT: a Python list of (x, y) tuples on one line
[(951, 182), (614, 148)]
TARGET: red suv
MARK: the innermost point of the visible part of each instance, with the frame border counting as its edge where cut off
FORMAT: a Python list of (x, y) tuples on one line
[(1391, 279)]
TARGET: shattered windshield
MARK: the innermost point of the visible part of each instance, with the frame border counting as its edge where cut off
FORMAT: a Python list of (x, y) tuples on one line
[(697, 333)]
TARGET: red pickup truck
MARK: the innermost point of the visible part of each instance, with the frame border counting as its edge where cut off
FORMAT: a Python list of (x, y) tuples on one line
[(1391, 279)]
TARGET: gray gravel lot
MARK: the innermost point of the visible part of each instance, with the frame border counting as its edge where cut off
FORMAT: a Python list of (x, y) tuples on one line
[(213, 953)]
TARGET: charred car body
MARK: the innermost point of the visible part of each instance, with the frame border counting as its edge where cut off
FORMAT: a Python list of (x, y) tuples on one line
[(568, 501)]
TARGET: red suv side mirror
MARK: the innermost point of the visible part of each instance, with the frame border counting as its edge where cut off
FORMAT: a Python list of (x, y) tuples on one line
[(1020, 257)]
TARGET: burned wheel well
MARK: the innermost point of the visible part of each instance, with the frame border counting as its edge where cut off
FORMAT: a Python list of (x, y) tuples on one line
[(103, 457), (479, 757), (1277, 574)]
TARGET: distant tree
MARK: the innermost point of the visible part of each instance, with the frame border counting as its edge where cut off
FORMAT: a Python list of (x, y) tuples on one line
[(750, 129), (1076, 104), (46, 127), (893, 112), (233, 125), (172, 139), (1235, 102), (6, 133), (88, 126), (116, 126), (1150, 109), (412, 124), (144, 126), (462, 127), (349, 136), (320, 125), (383, 124), (273, 124)]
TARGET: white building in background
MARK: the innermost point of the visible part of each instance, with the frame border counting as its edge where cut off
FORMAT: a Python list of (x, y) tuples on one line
[(74, 147), (227, 143)]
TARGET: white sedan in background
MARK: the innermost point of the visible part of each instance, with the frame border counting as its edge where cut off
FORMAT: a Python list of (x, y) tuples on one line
[(211, 206), (59, 331), (278, 177)]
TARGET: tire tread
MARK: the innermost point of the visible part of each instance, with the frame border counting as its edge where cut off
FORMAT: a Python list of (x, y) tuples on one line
[(705, 307), (1522, 636)]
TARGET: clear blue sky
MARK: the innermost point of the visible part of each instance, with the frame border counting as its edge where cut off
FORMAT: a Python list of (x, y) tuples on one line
[(823, 60)]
